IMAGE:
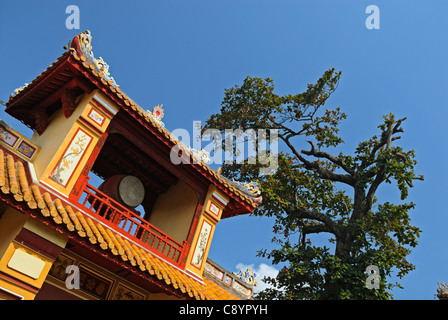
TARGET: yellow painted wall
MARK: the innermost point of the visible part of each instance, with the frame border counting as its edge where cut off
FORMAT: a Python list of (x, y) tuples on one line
[(24, 259), (46, 232), (11, 223), (56, 132), (51, 167), (173, 211), (16, 263), (21, 292), (60, 134)]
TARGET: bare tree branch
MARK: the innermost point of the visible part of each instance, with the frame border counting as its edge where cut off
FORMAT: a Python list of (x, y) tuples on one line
[(323, 172), (321, 154), (327, 225), (315, 228), (381, 175)]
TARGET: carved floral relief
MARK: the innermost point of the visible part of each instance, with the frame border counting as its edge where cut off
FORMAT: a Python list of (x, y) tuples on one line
[(201, 245), (71, 157)]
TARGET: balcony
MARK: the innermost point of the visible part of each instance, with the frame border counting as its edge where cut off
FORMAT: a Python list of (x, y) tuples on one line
[(130, 224)]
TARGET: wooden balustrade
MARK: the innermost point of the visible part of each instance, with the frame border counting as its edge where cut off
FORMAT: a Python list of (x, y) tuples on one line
[(130, 223)]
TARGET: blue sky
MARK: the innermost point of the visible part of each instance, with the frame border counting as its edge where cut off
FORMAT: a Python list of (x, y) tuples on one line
[(183, 54)]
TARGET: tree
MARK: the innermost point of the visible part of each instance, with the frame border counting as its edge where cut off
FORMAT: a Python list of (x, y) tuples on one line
[(317, 191)]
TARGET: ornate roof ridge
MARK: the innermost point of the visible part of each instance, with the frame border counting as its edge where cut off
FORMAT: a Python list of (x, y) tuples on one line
[(249, 189)]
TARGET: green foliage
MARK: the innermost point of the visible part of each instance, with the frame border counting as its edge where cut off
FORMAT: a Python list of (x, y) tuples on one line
[(305, 197)]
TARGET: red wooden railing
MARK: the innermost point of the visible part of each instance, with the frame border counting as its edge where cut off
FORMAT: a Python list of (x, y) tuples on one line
[(130, 223)]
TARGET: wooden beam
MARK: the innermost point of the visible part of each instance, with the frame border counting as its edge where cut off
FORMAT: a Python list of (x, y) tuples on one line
[(56, 96), (142, 159)]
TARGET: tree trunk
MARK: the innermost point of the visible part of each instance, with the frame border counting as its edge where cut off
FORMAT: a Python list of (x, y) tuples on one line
[(332, 287)]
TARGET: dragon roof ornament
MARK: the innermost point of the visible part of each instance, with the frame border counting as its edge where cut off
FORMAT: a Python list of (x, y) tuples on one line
[(250, 189), (82, 43)]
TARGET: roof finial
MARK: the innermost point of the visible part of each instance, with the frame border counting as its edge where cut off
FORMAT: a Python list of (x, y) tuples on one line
[(82, 44), (157, 114)]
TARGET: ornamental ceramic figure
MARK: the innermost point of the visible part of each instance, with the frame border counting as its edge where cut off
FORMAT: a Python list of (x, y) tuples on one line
[(85, 42), (157, 112), (103, 66), (204, 155), (18, 90), (253, 189)]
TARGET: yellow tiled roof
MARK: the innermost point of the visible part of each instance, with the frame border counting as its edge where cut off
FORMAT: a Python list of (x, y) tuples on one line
[(14, 182)]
